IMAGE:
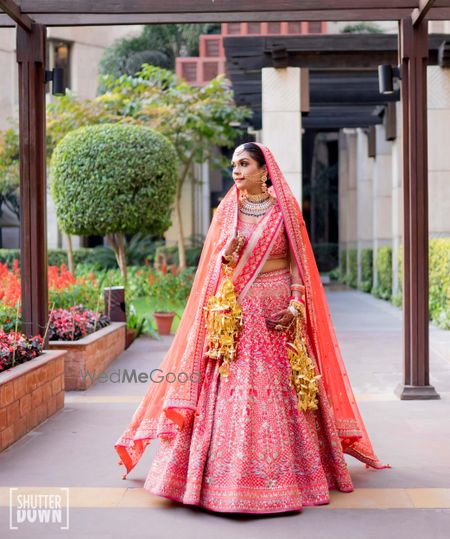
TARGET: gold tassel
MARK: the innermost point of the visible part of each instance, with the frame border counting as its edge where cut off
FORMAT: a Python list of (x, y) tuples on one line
[(303, 376), (223, 321)]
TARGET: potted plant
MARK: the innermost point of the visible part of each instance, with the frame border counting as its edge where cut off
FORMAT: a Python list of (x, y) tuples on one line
[(164, 292), (135, 325)]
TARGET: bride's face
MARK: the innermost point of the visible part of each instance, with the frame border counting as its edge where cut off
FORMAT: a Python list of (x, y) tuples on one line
[(247, 174)]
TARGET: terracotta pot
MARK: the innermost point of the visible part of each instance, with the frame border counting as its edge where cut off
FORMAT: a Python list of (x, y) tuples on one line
[(131, 335), (164, 321)]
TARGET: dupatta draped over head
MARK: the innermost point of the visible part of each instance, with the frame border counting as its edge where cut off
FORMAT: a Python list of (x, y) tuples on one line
[(175, 388)]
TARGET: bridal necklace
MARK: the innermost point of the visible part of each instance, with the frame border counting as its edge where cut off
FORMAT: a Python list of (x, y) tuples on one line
[(256, 205)]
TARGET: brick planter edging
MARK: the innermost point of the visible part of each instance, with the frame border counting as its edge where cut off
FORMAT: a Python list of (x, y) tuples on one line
[(29, 394), (89, 357)]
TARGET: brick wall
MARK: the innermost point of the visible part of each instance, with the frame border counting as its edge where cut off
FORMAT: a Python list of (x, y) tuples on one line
[(92, 354), (29, 394)]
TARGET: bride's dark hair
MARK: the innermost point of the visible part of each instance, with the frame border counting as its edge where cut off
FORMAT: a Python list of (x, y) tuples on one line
[(255, 151)]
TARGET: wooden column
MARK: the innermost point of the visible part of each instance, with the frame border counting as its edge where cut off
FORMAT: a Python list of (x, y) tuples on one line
[(413, 57), (33, 192)]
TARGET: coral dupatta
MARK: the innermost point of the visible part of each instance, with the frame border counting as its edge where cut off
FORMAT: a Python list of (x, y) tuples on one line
[(350, 426), (161, 411)]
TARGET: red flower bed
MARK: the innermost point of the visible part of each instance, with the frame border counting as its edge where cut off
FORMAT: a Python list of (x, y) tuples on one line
[(10, 284), (75, 323), (16, 348)]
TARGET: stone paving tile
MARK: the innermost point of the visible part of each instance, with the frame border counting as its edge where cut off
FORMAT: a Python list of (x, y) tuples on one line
[(74, 449)]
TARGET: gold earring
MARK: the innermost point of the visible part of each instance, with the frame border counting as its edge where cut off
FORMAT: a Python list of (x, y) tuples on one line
[(263, 184)]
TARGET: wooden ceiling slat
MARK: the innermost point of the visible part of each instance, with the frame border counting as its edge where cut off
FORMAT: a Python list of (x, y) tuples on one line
[(105, 19), (93, 19), (204, 6)]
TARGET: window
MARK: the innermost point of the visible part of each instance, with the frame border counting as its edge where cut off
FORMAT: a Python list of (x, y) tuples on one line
[(254, 27), (294, 27)]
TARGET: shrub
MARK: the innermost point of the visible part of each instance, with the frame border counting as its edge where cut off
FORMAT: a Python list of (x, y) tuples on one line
[(343, 268), (366, 269), (384, 273), (352, 274), (114, 179)]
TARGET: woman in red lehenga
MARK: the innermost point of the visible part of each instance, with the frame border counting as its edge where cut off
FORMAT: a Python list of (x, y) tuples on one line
[(242, 443)]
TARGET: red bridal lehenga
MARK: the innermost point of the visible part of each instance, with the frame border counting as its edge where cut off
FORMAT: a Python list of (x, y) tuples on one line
[(241, 444)]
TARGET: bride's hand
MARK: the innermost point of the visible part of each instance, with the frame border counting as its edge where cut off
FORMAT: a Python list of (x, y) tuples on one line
[(281, 318), (232, 244)]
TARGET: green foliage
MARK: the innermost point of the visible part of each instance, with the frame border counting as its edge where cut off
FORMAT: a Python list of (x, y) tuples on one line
[(9, 170), (439, 281), (334, 274), (397, 299), (113, 178), (365, 27), (343, 268), (366, 269), (194, 119), (352, 273), (383, 263), (69, 112), (56, 257), (157, 44), (193, 249)]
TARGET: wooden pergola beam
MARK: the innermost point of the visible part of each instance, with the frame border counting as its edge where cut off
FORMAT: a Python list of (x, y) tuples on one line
[(420, 13), (33, 192), (13, 11), (111, 19), (204, 6)]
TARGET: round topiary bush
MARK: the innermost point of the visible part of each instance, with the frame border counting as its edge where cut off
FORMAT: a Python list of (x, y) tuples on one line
[(113, 178)]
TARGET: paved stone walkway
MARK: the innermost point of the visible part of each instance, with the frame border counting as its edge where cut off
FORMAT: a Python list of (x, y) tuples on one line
[(74, 449)]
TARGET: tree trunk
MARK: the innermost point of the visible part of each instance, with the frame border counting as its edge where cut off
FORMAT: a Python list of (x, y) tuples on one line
[(118, 246), (181, 250), (70, 264)]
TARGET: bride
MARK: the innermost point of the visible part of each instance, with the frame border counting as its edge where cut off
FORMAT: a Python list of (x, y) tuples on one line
[(250, 437)]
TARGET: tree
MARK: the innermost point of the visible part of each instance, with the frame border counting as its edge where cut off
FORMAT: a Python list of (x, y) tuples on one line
[(365, 27), (114, 180), (194, 119), (158, 45), (9, 170)]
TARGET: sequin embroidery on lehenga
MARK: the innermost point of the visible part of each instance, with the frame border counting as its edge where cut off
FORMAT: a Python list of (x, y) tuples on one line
[(247, 448)]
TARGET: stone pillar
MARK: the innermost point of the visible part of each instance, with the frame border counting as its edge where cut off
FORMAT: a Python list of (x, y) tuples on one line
[(382, 195), (282, 122), (397, 201), (438, 153), (364, 205), (342, 194), (347, 191)]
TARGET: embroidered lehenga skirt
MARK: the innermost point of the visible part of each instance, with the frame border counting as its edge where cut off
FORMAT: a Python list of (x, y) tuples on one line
[(247, 448)]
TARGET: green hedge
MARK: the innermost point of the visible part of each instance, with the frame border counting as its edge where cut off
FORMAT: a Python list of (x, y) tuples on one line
[(352, 273), (439, 280), (439, 276), (383, 264), (56, 257), (366, 269), (343, 268)]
